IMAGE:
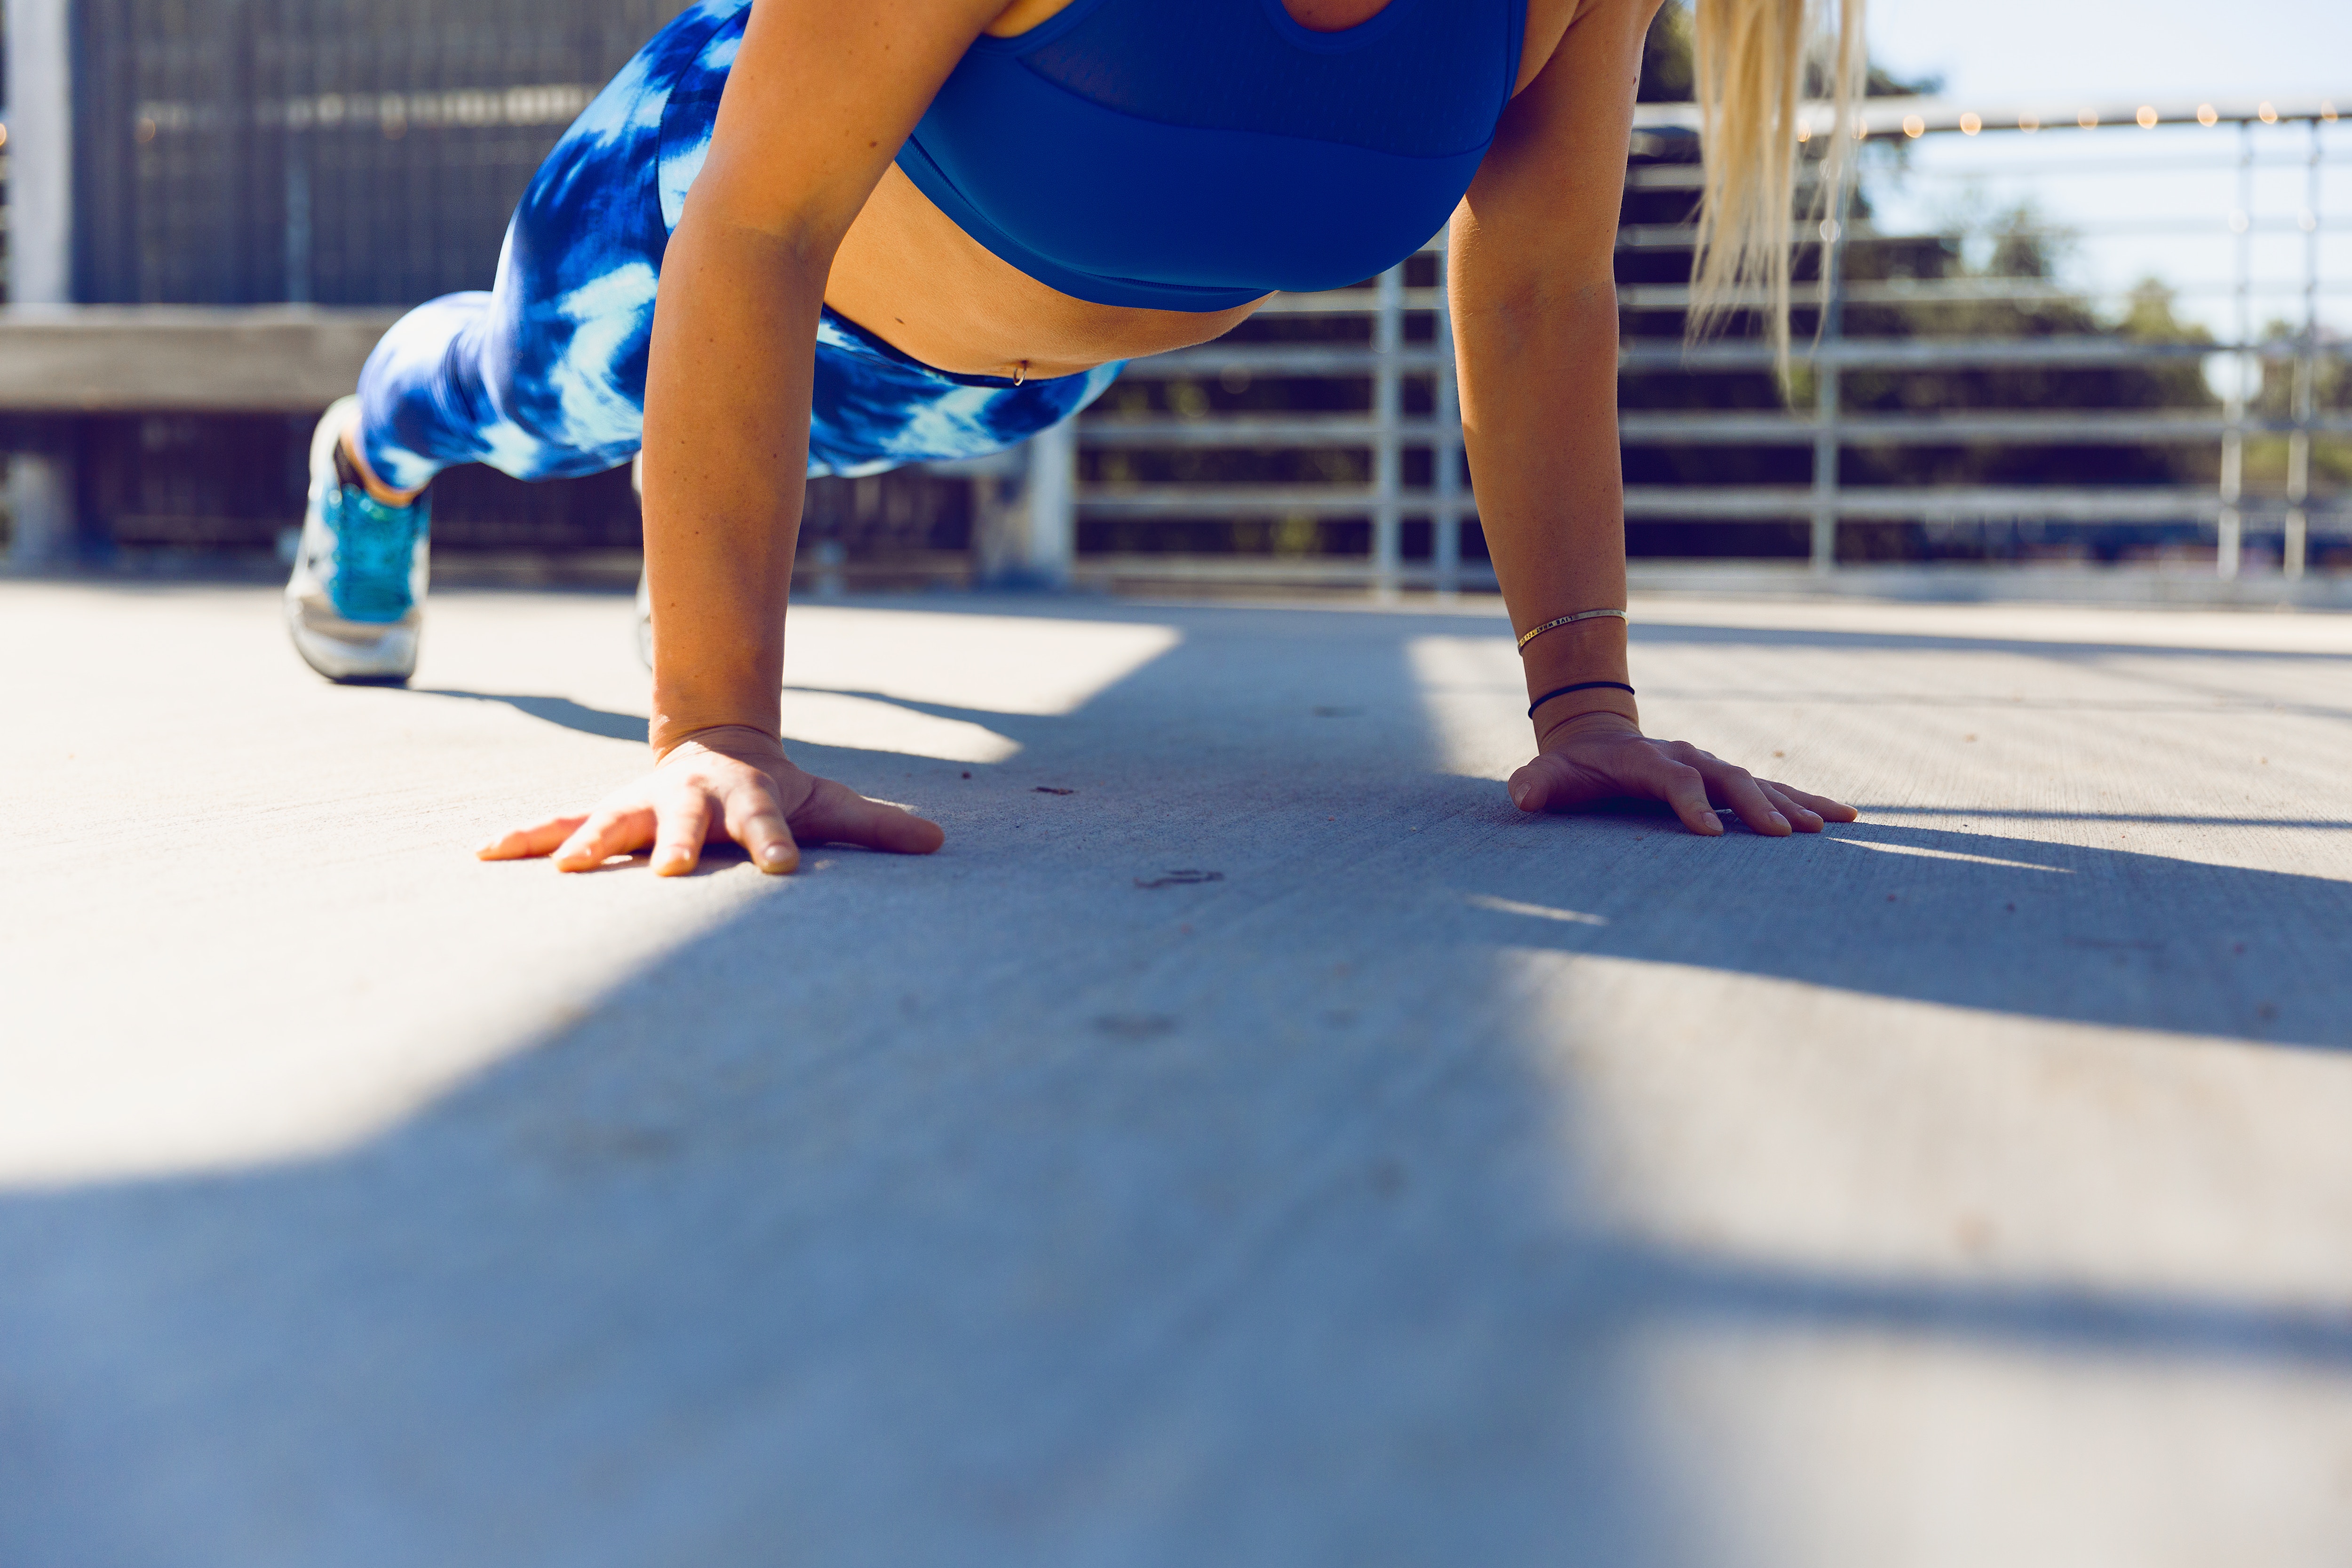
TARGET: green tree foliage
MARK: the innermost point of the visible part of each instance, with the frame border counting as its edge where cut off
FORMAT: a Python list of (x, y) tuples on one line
[(2022, 251), (1669, 72), (2331, 392)]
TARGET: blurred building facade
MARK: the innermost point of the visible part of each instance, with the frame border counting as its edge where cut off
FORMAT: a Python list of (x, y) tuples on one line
[(330, 155), (334, 154)]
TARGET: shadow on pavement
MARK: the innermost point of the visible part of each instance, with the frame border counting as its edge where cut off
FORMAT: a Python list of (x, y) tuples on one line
[(2000, 814), (2046, 1317), (967, 1211), (558, 711), (1963, 919)]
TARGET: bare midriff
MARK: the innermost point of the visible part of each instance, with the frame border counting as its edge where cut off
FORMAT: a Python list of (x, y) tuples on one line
[(907, 273)]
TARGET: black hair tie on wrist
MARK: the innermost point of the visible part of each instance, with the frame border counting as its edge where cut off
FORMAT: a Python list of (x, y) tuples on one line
[(1579, 686)]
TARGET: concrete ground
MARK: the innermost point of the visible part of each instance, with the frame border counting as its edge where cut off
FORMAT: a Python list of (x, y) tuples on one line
[(1250, 1141)]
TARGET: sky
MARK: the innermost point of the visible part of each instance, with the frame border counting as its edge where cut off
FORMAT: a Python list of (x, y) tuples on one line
[(2120, 48), (2184, 181)]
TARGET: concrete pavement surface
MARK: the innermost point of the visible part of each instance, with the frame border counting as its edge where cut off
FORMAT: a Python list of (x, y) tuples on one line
[(1250, 1141)]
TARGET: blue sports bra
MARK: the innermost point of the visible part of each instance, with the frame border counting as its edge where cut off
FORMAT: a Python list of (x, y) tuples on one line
[(1195, 157)]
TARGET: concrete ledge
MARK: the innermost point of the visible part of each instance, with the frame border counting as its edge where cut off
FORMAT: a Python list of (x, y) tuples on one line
[(103, 359)]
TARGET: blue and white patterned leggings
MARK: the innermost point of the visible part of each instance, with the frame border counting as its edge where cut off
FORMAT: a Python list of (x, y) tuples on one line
[(544, 376)]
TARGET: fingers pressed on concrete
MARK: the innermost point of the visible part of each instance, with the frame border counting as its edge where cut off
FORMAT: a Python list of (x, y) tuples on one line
[(1737, 789), (1802, 818), (684, 823), (1828, 809), (1683, 787), (1538, 784), (525, 843), (605, 835), (756, 821), (843, 815)]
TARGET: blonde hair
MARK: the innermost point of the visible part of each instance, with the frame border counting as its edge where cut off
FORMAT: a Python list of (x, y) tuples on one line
[(1751, 58)]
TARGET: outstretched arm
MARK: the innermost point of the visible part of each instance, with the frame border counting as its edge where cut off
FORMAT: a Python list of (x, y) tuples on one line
[(1534, 301), (819, 99)]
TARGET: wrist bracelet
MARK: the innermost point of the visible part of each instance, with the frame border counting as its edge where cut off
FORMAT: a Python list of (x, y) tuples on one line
[(1579, 686), (1554, 624)]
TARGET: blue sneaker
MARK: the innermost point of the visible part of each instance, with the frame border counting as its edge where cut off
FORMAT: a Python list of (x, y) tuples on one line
[(356, 600)]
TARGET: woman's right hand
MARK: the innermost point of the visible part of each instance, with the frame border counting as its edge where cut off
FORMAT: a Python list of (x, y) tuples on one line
[(727, 782)]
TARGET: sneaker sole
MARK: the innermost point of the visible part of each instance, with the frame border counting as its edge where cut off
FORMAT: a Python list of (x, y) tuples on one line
[(340, 663), (348, 670)]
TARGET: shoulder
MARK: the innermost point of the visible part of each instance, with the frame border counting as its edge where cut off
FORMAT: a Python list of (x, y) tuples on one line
[(1550, 23)]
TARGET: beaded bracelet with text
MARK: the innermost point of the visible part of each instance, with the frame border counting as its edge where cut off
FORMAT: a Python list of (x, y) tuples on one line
[(1556, 623)]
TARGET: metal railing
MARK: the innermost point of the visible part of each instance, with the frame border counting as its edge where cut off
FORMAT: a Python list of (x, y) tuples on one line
[(1388, 361), (1382, 432), (330, 152)]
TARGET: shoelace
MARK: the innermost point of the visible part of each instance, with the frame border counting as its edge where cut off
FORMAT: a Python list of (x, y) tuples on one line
[(374, 545)]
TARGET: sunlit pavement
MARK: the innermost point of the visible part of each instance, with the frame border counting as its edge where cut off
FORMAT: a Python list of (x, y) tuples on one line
[(1250, 1141)]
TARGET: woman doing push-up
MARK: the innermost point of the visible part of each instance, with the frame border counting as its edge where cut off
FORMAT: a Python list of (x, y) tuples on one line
[(803, 236)]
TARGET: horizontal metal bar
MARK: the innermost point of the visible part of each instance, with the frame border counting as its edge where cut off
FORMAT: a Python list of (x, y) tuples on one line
[(1682, 236), (1888, 116), (549, 103), (1301, 359), (1758, 502), (1259, 501), (1673, 354), (1934, 354), (1929, 291), (2097, 429), (1319, 570), (1719, 504), (1248, 430), (1347, 302), (2215, 157), (1692, 176)]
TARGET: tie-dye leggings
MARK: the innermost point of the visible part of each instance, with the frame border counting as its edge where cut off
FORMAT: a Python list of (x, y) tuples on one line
[(544, 376)]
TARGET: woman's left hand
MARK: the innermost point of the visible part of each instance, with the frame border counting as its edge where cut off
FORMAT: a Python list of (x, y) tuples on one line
[(1603, 756)]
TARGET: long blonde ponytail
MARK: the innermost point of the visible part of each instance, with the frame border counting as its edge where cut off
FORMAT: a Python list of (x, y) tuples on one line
[(1751, 59)]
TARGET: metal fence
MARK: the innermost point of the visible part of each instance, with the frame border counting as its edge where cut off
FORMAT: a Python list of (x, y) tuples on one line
[(342, 153), (1402, 365), (329, 152), (1402, 350)]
